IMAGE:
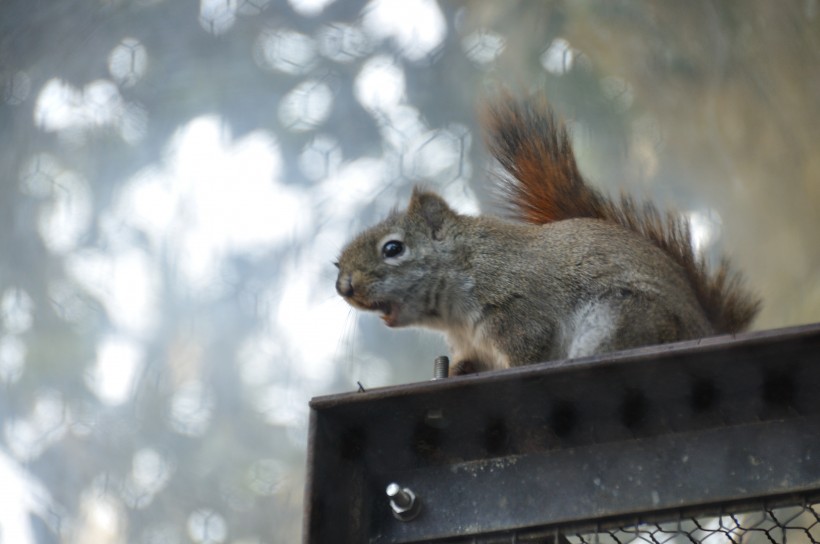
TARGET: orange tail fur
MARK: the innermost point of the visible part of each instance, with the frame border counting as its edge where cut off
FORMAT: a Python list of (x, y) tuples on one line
[(543, 184)]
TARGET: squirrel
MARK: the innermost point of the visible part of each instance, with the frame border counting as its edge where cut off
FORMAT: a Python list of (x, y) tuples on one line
[(574, 273)]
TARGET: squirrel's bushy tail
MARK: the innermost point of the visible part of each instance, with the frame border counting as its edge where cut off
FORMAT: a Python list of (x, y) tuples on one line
[(544, 185)]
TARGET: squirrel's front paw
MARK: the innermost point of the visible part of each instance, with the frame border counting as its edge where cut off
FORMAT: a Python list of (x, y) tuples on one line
[(463, 367)]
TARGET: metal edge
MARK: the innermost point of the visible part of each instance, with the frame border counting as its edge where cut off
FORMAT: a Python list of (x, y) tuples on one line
[(710, 344)]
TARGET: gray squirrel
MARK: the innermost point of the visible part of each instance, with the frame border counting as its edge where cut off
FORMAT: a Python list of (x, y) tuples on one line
[(575, 274)]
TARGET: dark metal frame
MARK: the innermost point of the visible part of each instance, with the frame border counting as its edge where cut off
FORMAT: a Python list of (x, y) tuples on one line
[(534, 451)]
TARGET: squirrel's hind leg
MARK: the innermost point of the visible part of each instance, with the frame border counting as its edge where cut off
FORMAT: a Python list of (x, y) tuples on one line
[(595, 325), (627, 320)]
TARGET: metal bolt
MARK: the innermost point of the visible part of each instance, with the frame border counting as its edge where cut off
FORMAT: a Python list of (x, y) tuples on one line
[(441, 367), (403, 502)]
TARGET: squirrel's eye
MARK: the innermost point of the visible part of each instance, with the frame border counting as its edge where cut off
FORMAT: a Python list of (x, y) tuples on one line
[(393, 248)]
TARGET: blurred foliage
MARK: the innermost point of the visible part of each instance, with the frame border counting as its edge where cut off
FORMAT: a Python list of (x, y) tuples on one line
[(219, 337)]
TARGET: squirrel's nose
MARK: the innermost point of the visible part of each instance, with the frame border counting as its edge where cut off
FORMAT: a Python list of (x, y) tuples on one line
[(344, 286)]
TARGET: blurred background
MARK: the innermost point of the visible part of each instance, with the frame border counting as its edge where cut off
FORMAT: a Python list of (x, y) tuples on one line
[(177, 178)]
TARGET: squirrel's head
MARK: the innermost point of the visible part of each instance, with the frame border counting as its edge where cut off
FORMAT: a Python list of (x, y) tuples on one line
[(388, 267)]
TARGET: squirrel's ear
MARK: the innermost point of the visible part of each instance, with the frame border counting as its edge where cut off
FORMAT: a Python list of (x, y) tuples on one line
[(431, 209)]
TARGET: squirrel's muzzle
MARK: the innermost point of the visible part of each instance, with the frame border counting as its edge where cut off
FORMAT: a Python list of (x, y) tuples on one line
[(344, 285), (358, 299)]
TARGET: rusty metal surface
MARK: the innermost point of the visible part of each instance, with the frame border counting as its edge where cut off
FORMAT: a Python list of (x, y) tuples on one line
[(681, 426)]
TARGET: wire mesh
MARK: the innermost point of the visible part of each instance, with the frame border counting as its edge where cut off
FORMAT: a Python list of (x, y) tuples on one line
[(792, 524)]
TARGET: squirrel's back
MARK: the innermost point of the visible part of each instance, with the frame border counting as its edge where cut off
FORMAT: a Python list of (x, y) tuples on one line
[(543, 185)]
